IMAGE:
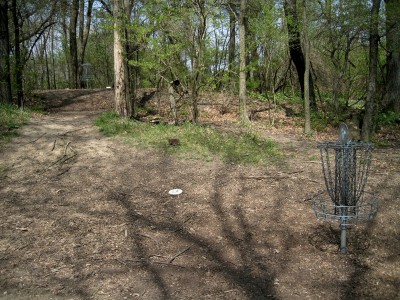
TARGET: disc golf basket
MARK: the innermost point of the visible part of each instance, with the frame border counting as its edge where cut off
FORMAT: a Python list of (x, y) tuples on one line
[(345, 166), (87, 75)]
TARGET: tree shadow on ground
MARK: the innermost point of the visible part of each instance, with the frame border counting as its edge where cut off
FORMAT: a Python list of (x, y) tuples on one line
[(62, 100), (228, 249)]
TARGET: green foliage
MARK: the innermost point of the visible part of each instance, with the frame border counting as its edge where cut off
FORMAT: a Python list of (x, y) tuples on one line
[(167, 43), (319, 121), (195, 141), (99, 53), (388, 118), (11, 117), (258, 96), (296, 99)]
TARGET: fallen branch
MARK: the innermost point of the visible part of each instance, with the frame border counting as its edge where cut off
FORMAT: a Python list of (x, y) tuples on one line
[(254, 111), (61, 160), (69, 157), (65, 149), (54, 145), (57, 161), (145, 261), (277, 176), (179, 254), (63, 172), (167, 263), (31, 142), (65, 133), (22, 228)]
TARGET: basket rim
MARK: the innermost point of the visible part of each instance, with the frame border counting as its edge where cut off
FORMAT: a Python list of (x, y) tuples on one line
[(327, 210)]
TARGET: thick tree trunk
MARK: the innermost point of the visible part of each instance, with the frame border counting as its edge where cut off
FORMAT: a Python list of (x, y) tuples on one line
[(296, 53), (17, 55), (370, 105), (5, 78), (73, 45), (123, 105), (392, 97), (132, 54), (242, 64), (198, 56)]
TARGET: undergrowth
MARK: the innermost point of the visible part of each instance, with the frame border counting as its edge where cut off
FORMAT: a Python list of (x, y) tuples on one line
[(195, 141), (11, 117)]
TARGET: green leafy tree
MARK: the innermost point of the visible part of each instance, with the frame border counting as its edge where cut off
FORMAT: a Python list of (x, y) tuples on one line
[(30, 21), (342, 30)]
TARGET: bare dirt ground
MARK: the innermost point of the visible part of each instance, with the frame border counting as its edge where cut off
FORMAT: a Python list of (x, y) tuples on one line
[(85, 216)]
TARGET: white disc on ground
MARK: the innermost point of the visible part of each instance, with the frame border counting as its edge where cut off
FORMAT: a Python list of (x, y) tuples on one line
[(175, 192)]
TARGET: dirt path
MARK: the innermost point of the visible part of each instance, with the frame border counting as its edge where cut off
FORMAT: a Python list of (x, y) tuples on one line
[(89, 217)]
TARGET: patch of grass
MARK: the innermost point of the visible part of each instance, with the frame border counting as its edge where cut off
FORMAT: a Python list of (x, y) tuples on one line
[(380, 143), (195, 141), (11, 117), (314, 158), (3, 170)]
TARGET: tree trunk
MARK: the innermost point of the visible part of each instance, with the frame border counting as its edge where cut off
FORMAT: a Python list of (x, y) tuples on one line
[(195, 109), (80, 45), (370, 105), (132, 54), (46, 57), (242, 64), (81, 20), (84, 29), (307, 114), (5, 78), (232, 42), (296, 53), (53, 63), (17, 55), (198, 56), (123, 105), (392, 96), (73, 46)]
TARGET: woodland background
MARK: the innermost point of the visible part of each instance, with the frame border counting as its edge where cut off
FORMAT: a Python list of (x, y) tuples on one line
[(341, 59)]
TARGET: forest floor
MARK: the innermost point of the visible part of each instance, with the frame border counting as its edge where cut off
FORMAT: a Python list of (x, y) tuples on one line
[(84, 216)]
